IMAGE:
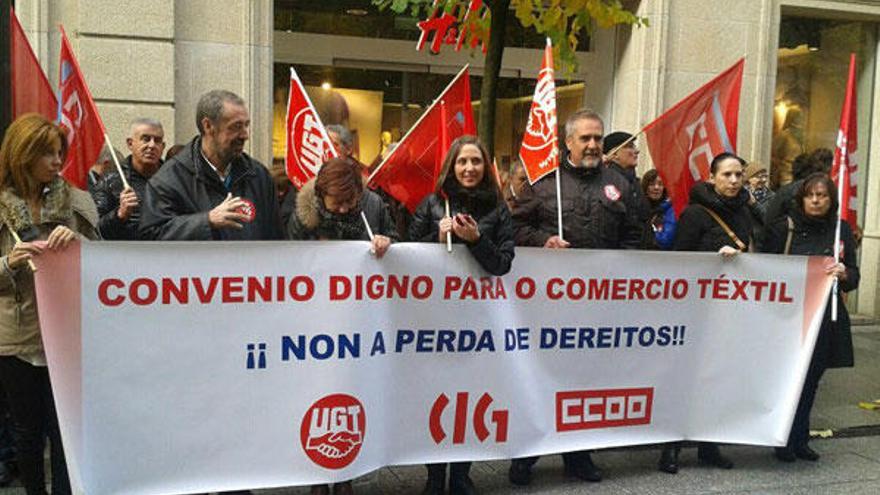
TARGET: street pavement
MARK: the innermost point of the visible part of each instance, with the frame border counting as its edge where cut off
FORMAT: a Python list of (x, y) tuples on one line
[(850, 462)]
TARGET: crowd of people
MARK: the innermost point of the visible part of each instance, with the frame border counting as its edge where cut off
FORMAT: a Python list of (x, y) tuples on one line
[(209, 189)]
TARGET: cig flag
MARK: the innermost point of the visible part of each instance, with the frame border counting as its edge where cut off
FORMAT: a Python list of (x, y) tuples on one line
[(539, 152), (845, 167), (684, 140), (79, 116), (308, 145), (408, 173)]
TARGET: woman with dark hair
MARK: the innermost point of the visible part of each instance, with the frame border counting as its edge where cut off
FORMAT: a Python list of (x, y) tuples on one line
[(330, 207), (717, 219), (36, 204), (809, 229), (660, 229), (478, 217)]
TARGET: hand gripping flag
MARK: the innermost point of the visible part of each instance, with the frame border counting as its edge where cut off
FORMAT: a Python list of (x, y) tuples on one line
[(308, 145), (684, 140), (31, 91), (79, 117), (844, 169), (539, 152), (408, 173)]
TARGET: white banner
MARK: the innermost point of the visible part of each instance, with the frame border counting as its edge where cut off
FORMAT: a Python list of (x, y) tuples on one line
[(194, 367)]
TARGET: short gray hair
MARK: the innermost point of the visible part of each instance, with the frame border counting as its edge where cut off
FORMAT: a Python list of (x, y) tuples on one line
[(210, 106), (147, 121), (344, 134), (581, 114)]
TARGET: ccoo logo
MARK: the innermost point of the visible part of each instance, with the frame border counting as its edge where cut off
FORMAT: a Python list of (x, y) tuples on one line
[(332, 431)]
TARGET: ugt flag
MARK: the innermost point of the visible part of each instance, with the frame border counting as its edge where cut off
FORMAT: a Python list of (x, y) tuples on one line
[(407, 174), (31, 91), (684, 140), (844, 169), (79, 116), (308, 145), (540, 151)]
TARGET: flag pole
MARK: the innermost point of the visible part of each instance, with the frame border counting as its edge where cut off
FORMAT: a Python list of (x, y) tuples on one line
[(116, 161), (18, 241), (559, 203), (448, 234), (621, 145), (834, 288)]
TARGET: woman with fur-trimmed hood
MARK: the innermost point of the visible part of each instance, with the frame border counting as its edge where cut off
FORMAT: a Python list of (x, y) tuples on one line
[(39, 206), (479, 218), (329, 207)]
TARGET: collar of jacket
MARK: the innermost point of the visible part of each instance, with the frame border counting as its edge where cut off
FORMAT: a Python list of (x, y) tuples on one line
[(56, 207), (580, 172), (239, 167), (131, 172), (628, 173)]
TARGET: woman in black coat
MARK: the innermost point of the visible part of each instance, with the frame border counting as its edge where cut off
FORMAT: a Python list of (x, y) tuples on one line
[(809, 229), (478, 218), (717, 219)]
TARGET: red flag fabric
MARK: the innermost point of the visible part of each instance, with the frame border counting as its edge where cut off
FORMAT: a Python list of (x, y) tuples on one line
[(684, 140), (31, 91), (844, 169), (79, 116), (407, 174), (539, 151), (445, 142), (308, 145)]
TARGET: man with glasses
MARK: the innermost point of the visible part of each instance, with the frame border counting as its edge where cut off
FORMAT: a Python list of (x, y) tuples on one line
[(212, 189), (119, 206)]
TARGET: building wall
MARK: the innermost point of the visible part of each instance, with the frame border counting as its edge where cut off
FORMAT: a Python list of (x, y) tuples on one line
[(158, 62)]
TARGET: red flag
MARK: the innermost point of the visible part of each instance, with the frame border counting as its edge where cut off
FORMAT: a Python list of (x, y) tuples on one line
[(308, 145), (539, 152), (31, 91), (845, 154), (684, 140), (445, 142), (79, 116), (408, 173)]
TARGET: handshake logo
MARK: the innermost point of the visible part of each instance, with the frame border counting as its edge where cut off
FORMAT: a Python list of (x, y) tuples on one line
[(332, 431)]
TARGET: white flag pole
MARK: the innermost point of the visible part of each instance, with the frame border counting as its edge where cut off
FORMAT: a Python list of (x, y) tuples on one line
[(116, 161), (559, 204), (448, 234), (841, 172)]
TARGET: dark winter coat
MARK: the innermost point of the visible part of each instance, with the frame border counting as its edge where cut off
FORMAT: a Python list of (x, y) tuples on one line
[(306, 222), (493, 250), (698, 231), (106, 197), (816, 237), (597, 210), (180, 195)]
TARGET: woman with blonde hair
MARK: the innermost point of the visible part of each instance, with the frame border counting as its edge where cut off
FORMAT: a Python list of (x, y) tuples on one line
[(35, 205)]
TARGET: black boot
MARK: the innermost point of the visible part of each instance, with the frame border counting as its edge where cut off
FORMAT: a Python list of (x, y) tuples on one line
[(806, 453), (436, 483), (785, 454), (460, 482), (580, 465), (669, 459), (520, 473), (710, 454)]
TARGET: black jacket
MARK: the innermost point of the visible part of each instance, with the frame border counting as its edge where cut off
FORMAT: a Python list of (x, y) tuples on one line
[(106, 197), (816, 237), (305, 223), (781, 203), (597, 210), (185, 189), (698, 231), (493, 250)]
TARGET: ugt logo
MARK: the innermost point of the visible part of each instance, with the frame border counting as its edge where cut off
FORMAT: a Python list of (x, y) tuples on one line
[(499, 419), (332, 431)]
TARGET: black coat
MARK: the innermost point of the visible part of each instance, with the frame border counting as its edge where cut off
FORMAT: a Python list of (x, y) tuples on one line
[(493, 250), (598, 211), (816, 237), (106, 197), (698, 231), (180, 195), (305, 222)]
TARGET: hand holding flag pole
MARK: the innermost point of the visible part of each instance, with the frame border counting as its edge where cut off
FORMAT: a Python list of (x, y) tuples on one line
[(17, 239)]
